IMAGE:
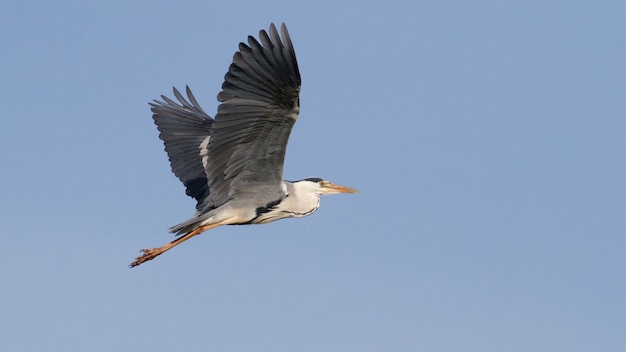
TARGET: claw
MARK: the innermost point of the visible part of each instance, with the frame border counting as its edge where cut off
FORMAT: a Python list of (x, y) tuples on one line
[(147, 254)]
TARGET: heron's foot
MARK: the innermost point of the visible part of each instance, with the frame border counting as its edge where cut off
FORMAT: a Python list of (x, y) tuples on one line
[(147, 254)]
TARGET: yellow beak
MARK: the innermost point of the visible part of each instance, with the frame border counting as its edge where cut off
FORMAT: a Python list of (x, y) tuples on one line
[(333, 188)]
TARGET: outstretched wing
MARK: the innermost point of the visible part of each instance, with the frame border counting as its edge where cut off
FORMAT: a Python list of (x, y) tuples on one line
[(183, 127), (246, 149)]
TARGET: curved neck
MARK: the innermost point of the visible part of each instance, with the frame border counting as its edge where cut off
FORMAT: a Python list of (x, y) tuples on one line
[(302, 198)]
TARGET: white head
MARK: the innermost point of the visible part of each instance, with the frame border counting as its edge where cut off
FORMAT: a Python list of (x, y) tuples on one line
[(303, 197)]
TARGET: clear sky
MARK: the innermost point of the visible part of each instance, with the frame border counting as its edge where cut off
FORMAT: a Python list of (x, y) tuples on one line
[(487, 139)]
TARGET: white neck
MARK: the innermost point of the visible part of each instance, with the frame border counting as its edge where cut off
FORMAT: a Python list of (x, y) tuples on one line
[(303, 198)]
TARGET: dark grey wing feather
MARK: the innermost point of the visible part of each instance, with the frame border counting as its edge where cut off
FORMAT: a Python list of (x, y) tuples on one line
[(184, 126), (259, 107)]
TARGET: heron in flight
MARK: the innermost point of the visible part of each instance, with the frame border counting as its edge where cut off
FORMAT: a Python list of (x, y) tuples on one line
[(233, 164)]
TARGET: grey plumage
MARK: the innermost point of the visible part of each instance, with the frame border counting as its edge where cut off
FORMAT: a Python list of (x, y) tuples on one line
[(233, 164), (183, 128)]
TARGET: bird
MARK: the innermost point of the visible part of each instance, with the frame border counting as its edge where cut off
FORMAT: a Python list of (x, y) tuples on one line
[(232, 165)]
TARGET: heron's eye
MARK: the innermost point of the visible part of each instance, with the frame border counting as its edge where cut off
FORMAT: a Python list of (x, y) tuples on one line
[(324, 183)]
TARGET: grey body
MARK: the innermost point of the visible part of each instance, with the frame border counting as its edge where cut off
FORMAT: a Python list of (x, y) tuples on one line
[(233, 164)]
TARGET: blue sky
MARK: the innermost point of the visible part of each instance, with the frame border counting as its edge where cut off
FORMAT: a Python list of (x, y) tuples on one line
[(487, 140)]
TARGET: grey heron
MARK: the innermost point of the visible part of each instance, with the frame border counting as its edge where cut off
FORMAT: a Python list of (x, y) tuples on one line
[(233, 165)]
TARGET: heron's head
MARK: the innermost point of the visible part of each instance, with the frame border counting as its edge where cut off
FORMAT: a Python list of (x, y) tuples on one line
[(319, 186)]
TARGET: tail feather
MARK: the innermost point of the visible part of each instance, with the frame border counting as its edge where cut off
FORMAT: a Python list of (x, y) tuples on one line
[(187, 226)]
